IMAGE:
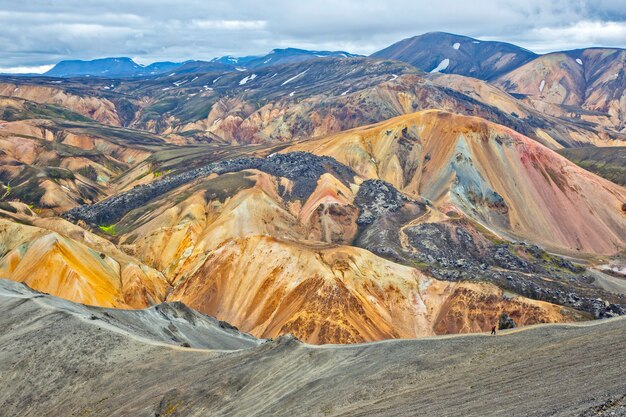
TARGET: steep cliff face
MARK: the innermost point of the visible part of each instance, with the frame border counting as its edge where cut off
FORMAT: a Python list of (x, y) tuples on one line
[(493, 174)]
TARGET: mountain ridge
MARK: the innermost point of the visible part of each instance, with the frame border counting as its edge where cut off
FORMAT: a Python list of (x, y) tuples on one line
[(123, 67), (450, 53)]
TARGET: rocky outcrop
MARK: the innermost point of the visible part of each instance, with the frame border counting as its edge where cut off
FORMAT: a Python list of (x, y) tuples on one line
[(304, 169), (376, 198), (505, 322), (458, 251)]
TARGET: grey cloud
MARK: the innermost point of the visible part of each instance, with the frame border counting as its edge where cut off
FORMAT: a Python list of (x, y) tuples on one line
[(36, 33)]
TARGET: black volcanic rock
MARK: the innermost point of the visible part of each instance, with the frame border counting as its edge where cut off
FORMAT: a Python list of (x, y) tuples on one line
[(303, 168), (376, 198), (505, 322), (522, 269)]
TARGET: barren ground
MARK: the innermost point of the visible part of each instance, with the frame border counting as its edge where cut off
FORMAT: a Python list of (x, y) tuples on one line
[(63, 359)]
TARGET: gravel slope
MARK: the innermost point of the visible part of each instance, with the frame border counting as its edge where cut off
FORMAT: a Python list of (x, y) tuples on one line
[(55, 360)]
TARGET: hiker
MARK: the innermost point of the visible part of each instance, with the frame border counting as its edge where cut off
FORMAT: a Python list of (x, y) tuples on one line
[(493, 330)]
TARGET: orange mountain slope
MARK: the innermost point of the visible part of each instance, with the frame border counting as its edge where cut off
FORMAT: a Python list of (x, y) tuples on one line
[(271, 252), (260, 264), (491, 173), (325, 294), (236, 248), (552, 126), (62, 259)]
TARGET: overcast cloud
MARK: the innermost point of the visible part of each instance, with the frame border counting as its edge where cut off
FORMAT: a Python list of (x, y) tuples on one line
[(35, 34)]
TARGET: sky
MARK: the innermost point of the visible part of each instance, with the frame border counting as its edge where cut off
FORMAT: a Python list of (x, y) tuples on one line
[(36, 34)]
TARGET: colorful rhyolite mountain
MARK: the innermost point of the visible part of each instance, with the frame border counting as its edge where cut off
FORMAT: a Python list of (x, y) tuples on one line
[(588, 83), (269, 251), (341, 199), (497, 176)]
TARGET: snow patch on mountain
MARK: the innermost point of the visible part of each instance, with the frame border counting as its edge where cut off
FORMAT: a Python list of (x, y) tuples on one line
[(442, 66), (295, 77), (456, 45), (247, 78)]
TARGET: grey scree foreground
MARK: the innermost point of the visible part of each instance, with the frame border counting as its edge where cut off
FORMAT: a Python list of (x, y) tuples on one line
[(59, 358)]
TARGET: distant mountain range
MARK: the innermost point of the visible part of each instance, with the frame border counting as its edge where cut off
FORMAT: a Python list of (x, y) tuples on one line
[(585, 85), (281, 56), (435, 52), (108, 67), (123, 67)]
